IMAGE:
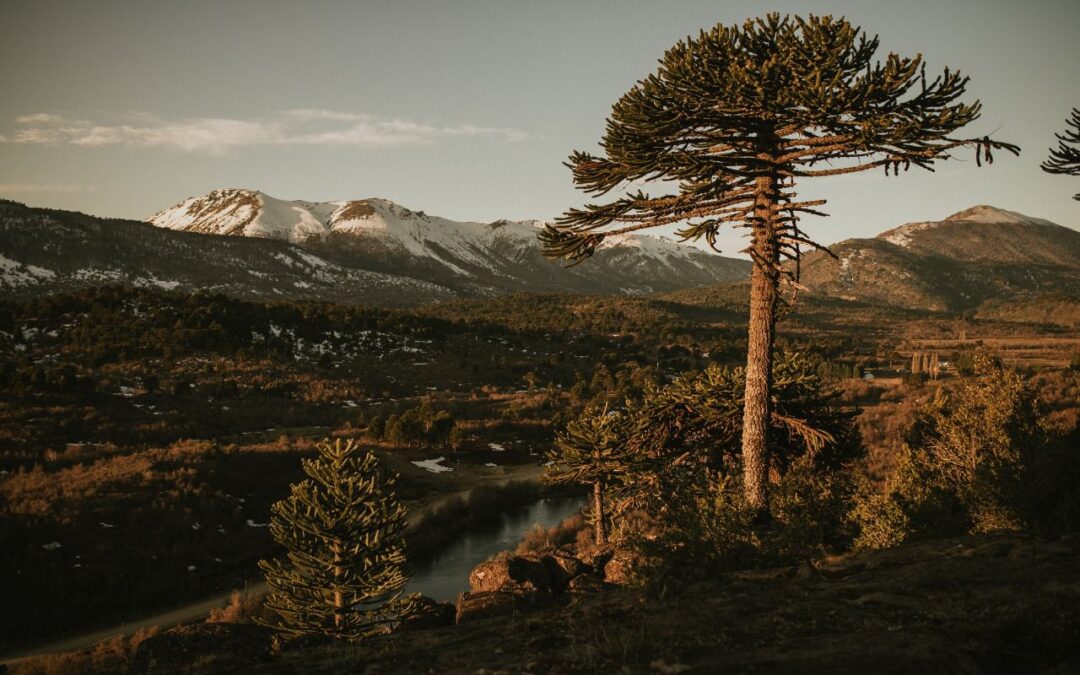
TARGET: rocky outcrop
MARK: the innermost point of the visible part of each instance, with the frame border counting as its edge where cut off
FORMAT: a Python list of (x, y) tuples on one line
[(429, 614), (517, 583)]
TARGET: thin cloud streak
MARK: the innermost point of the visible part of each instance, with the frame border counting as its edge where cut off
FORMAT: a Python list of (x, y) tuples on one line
[(301, 127), (20, 188)]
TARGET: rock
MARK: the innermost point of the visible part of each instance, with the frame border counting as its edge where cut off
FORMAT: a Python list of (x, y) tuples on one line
[(619, 569), (515, 573), (586, 583), (204, 648), (567, 566), (430, 614), (473, 606), (596, 557)]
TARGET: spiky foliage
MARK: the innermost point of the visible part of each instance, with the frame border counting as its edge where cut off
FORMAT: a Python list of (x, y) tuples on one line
[(693, 427), (686, 465), (342, 528), (780, 97), (591, 450), (734, 118), (1065, 159)]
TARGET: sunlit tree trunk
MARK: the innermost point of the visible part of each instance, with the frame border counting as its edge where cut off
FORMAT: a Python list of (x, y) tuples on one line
[(764, 281)]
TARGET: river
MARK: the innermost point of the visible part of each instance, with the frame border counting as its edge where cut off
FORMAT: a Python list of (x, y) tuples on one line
[(448, 574)]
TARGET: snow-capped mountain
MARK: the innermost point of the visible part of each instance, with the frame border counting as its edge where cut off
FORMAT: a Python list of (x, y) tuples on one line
[(972, 256), (470, 257), (45, 251)]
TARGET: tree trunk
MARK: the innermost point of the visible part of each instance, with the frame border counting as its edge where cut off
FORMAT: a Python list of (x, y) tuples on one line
[(599, 527), (339, 599), (764, 282)]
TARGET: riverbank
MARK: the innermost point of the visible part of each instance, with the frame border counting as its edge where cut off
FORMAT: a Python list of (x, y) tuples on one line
[(434, 515), (1001, 602)]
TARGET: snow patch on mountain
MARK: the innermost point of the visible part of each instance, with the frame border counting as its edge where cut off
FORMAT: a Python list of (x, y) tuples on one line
[(13, 273), (448, 242), (989, 214), (901, 236)]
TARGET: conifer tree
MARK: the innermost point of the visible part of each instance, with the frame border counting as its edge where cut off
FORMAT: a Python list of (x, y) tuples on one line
[(590, 451), (1065, 159), (342, 528), (735, 118)]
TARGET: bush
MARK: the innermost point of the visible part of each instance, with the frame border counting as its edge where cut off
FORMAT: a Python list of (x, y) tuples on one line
[(979, 459), (686, 472)]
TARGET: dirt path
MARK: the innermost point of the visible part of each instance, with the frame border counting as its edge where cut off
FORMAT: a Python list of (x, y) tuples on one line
[(199, 609)]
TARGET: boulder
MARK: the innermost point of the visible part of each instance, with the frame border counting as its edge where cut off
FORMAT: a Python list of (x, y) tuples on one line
[(430, 614), (517, 574), (585, 583), (619, 569), (204, 648), (473, 606), (565, 567)]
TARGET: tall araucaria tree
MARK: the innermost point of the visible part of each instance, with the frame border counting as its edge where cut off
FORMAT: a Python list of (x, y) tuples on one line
[(735, 118), (342, 528), (1065, 159)]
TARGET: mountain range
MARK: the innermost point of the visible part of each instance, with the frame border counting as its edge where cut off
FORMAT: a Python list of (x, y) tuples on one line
[(373, 251), (369, 251)]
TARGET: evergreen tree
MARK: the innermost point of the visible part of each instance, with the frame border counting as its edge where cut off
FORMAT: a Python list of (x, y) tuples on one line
[(735, 118), (342, 528), (590, 451), (1065, 159)]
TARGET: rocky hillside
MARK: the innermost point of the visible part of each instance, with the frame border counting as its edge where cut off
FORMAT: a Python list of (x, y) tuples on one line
[(471, 258), (958, 263), (45, 251)]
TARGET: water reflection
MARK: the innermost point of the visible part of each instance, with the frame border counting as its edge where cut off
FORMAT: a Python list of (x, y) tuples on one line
[(448, 575)]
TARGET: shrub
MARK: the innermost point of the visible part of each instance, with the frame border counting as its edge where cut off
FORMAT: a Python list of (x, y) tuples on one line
[(980, 458), (686, 471)]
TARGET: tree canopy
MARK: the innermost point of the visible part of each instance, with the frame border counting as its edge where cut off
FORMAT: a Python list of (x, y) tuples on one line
[(780, 95), (1065, 158)]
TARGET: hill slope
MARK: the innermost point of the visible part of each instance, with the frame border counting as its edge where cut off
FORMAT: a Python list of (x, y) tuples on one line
[(971, 257), (44, 251)]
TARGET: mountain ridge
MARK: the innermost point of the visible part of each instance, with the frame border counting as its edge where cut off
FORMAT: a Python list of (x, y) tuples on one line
[(970, 257), (473, 258)]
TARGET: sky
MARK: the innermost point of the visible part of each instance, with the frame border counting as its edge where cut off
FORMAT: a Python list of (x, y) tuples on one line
[(464, 109)]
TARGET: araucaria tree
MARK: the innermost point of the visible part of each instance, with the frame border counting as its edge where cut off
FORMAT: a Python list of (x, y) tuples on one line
[(590, 451), (1065, 159), (342, 528), (735, 118)]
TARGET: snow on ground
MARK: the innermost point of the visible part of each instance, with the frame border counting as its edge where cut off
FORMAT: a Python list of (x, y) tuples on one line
[(433, 465), (495, 447), (14, 273), (901, 236)]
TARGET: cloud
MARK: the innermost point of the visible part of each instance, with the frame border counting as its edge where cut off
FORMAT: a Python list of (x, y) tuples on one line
[(17, 188), (301, 127)]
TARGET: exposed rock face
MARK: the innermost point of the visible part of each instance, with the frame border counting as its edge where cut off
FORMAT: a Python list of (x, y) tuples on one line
[(510, 584)]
